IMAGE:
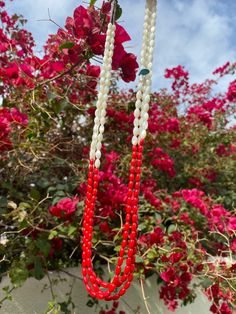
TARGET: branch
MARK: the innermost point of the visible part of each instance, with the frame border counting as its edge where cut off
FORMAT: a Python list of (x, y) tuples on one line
[(144, 297), (60, 75)]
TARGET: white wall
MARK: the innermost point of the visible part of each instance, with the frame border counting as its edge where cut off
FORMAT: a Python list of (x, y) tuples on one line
[(30, 300)]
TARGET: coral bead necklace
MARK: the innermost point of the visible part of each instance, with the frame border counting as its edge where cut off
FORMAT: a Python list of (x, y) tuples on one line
[(96, 287)]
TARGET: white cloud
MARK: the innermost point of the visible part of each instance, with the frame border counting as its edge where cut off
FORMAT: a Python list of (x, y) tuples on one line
[(35, 10), (197, 33), (191, 33)]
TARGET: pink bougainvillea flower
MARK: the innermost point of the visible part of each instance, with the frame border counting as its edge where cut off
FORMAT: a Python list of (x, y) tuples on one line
[(64, 208), (106, 7), (231, 226), (83, 22), (231, 94), (18, 117), (129, 66), (121, 35)]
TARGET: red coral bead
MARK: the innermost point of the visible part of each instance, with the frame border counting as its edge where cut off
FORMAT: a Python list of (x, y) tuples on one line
[(120, 261)]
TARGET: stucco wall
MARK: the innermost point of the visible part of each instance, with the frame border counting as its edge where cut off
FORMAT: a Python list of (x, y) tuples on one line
[(30, 300)]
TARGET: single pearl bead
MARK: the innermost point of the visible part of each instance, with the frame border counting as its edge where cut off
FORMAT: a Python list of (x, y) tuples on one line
[(100, 137), (97, 163), (144, 125), (143, 134), (138, 103), (147, 99), (134, 140), (99, 146), (96, 127), (145, 116), (112, 46), (92, 154), (145, 107), (136, 122), (103, 113), (139, 94), (93, 145), (108, 67), (136, 131), (102, 120), (98, 154), (101, 129), (96, 120), (108, 78), (136, 113), (94, 137)]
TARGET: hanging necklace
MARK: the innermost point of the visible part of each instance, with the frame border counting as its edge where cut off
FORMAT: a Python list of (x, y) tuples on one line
[(123, 277)]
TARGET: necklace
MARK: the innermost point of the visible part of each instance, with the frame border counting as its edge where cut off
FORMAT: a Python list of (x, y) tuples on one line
[(123, 277)]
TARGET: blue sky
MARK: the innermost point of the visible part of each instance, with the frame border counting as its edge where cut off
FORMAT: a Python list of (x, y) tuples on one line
[(198, 34)]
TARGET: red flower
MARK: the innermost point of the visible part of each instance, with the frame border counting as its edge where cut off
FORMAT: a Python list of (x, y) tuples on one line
[(121, 35), (231, 94), (97, 43), (64, 208), (83, 22), (169, 276), (224, 309), (155, 237), (175, 257), (162, 161), (233, 245), (11, 72), (129, 66), (18, 117), (56, 246), (223, 69), (176, 73), (106, 7), (231, 224), (104, 227)]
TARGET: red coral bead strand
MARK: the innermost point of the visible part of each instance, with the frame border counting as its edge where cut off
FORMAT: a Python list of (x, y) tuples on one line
[(118, 280)]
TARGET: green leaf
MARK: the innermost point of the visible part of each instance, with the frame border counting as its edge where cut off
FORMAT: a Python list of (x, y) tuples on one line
[(64, 307), (3, 205), (3, 211), (67, 45), (38, 268), (57, 199), (171, 228), (71, 230), (19, 274), (3, 201), (51, 96), (57, 107), (144, 72), (35, 194), (152, 254), (44, 246), (117, 248), (138, 259), (118, 12), (206, 283), (52, 234), (92, 2)]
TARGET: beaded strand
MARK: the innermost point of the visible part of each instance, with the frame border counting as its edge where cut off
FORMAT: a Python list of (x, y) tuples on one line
[(120, 283)]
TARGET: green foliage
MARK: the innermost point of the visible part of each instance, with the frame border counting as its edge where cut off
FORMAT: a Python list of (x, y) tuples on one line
[(68, 44)]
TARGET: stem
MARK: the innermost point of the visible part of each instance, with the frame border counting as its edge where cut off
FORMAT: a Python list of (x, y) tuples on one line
[(144, 297), (113, 14), (60, 75)]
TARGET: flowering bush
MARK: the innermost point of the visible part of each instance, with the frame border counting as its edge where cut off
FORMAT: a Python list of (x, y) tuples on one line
[(187, 218)]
